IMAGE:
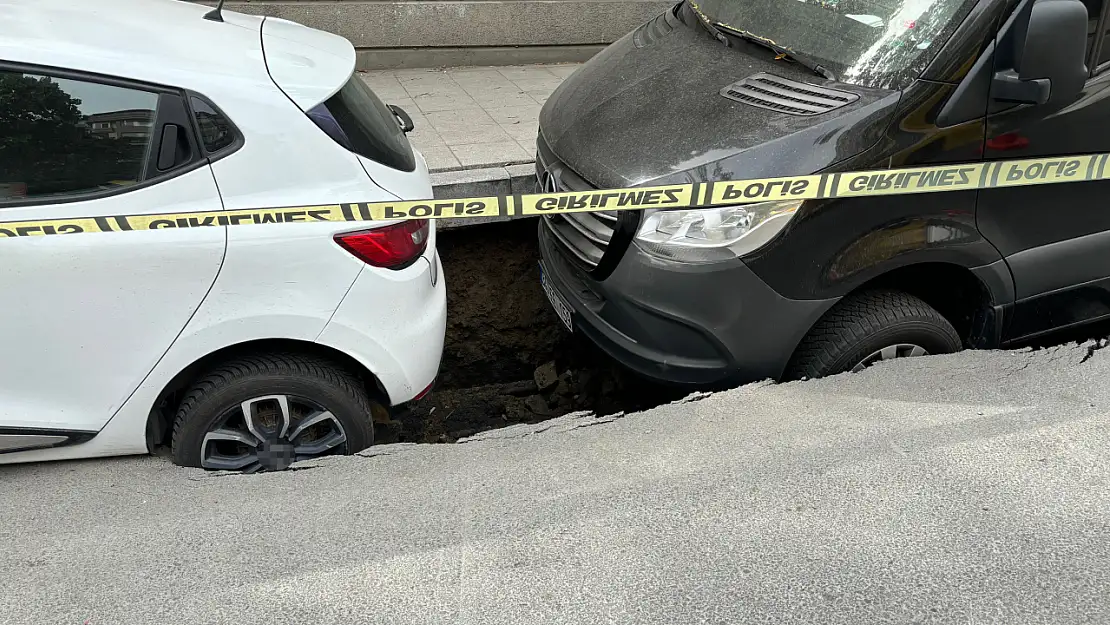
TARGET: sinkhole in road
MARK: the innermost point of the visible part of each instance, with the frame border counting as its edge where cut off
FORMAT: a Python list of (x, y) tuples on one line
[(500, 331)]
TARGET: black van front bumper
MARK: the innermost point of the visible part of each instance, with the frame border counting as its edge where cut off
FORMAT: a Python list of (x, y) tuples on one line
[(689, 325)]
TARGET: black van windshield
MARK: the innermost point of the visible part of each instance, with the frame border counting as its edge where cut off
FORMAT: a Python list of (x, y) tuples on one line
[(873, 43)]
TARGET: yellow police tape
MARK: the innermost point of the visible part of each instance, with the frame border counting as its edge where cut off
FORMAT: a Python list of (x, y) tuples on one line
[(945, 178)]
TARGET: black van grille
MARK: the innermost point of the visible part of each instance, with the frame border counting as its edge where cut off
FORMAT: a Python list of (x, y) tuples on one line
[(788, 96), (583, 236)]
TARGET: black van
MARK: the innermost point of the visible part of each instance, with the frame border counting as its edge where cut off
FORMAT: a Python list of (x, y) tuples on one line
[(733, 89)]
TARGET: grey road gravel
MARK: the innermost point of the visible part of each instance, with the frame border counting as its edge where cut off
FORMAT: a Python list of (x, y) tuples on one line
[(972, 488)]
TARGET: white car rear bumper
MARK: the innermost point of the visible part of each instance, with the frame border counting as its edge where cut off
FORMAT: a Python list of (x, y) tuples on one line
[(394, 322)]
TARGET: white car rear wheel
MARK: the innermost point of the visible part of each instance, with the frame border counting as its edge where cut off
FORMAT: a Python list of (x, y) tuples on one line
[(263, 413)]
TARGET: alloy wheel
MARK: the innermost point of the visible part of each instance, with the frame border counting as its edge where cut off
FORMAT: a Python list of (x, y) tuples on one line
[(270, 433), (890, 352)]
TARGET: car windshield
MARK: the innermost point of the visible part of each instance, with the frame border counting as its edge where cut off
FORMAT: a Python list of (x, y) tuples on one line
[(873, 43)]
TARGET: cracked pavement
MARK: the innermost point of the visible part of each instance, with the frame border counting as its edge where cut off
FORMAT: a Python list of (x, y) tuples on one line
[(972, 488)]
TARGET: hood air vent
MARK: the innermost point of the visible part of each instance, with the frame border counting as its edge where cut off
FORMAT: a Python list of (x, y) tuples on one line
[(787, 96)]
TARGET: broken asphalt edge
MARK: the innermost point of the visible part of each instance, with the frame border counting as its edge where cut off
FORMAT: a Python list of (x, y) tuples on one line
[(585, 418)]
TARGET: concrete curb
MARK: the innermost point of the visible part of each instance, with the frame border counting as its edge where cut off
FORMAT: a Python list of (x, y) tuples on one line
[(478, 56), (503, 180)]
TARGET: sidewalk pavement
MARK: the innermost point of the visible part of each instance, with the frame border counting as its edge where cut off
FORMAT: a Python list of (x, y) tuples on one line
[(476, 126)]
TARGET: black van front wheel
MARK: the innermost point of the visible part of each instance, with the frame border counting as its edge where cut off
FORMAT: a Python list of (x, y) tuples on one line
[(864, 329)]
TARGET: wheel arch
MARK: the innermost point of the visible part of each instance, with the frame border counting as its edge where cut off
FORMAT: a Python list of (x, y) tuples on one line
[(955, 291), (159, 424), (961, 295)]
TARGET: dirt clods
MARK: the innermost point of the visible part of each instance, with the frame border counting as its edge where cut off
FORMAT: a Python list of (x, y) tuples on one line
[(546, 376)]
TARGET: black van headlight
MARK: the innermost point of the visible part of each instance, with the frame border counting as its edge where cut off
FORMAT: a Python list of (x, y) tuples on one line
[(706, 235)]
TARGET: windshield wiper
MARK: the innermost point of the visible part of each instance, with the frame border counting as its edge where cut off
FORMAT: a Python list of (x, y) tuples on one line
[(782, 52), (717, 33)]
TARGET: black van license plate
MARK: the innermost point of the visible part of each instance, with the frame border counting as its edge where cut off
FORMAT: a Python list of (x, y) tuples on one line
[(562, 308)]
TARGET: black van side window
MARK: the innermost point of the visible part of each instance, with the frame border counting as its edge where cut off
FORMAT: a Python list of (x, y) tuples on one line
[(1096, 43), (1094, 12)]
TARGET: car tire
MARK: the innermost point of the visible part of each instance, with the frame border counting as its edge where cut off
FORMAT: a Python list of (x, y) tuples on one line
[(872, 325), (322, 404)]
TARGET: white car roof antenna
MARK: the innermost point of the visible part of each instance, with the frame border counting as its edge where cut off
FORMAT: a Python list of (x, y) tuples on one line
[(215, 14)]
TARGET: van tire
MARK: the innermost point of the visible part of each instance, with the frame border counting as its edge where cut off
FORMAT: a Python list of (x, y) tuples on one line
[(860, 325), (225, 387)]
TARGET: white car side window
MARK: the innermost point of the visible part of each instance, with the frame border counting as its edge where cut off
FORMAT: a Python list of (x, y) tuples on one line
[(64, 138)]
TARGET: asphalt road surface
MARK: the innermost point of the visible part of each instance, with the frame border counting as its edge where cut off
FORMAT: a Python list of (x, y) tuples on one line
[(966, 489)]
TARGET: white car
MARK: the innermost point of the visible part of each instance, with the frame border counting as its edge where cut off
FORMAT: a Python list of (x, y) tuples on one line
[(246, 347)]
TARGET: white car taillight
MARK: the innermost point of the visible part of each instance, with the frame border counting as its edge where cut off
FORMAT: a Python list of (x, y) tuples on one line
[(394, 247)]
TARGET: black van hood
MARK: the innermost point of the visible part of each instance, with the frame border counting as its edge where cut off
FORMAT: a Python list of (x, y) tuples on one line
[(648, 110)]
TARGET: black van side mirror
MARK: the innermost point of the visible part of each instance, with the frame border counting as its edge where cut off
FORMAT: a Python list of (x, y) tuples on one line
[(1048, 55)]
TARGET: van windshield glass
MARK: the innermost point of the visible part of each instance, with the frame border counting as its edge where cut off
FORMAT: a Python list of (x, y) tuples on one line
[(873, 43)]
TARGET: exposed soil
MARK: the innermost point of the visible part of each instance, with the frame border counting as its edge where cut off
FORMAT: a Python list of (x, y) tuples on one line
[(507, 357)]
